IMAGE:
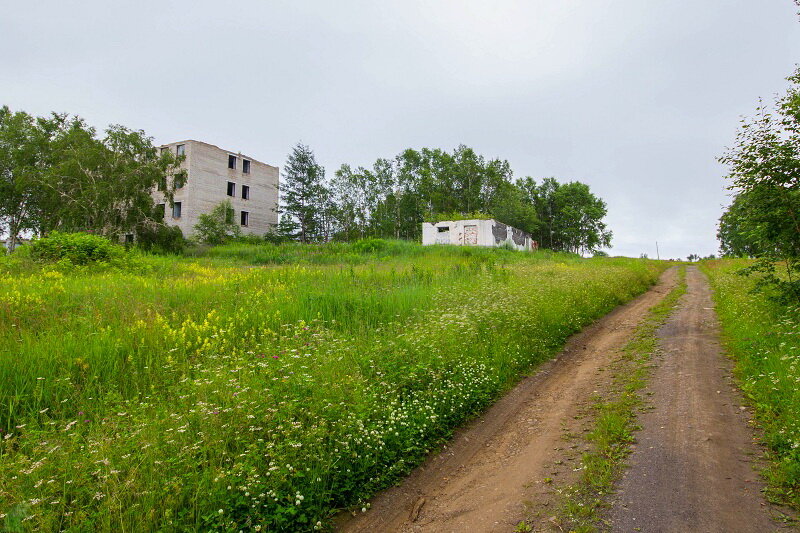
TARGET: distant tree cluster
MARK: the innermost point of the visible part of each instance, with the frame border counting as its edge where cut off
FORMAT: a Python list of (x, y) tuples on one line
[(393, 197), (764, 219), (56, 173)]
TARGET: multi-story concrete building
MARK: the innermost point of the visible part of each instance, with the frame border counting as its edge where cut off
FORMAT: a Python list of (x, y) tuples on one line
[(213, 175)]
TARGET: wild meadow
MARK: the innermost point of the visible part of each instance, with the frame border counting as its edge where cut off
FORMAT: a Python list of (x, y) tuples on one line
[(763, 337), (264, 387)]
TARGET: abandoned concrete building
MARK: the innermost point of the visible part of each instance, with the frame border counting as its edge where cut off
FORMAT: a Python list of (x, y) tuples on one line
[(476, 232), (213, 175)]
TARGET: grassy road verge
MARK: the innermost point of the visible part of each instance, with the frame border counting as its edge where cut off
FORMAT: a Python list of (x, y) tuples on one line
[(763, 338)]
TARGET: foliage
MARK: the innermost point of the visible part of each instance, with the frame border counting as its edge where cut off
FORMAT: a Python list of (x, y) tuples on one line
[(394, 197), (764, 219), (370, 245), (571, 216), (206, 396), (56, 174), (448, 217), (76, 248), (763, 337), (21, 158), (161, 238), (217, 226), (303, 196)]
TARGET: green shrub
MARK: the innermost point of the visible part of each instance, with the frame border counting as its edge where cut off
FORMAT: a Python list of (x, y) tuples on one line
[(218, 226), (76, 248), (162, 239), (370, 246)]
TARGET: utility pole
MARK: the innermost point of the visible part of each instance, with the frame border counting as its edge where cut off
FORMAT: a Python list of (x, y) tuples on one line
[(657, 256)]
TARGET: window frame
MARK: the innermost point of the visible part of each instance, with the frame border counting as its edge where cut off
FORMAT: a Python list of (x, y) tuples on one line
[(232, 161), (245, 192), (180, 149), (245, 166), (244, 218), (179, 206), (231, 190)]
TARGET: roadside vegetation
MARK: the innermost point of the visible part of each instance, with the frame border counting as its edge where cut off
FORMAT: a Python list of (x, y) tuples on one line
[(762, 334), (614, 423), (209, 393)]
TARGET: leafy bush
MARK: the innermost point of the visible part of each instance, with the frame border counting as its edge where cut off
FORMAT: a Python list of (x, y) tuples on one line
[(162, 239), (76, 248), (218, 226), (369, 246)]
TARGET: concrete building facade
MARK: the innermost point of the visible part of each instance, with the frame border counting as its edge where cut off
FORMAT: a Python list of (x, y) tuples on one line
[(476, 232), (214, 175)]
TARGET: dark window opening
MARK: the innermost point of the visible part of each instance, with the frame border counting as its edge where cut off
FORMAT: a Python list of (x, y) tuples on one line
[(246, 192), (160, 211), (231, 161), (180, 149), (231, 188), (443, 229), (128, 238), (176, 210), (180, 179), (244, 219), (246, 166)]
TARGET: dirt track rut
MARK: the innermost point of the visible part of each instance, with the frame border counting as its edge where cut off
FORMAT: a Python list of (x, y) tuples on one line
[(691, 469), (480, 481)]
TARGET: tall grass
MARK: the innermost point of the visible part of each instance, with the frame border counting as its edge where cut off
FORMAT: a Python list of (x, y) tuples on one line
[(763, 337), (207, 394)]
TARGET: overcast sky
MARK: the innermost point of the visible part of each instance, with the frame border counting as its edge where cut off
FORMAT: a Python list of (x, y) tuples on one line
[(636, 98)]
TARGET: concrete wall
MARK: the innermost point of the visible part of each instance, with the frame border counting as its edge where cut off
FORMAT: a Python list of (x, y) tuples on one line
[(207, 186), (476, 233)]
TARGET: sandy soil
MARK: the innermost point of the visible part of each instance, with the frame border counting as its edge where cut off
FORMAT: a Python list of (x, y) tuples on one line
[(692, 469), (494, 472)]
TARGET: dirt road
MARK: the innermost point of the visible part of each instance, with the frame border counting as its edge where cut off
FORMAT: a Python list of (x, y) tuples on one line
[(692, 469), (491, 476)]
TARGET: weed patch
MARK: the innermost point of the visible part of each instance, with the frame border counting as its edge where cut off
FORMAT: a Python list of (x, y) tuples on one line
[(207, 396)]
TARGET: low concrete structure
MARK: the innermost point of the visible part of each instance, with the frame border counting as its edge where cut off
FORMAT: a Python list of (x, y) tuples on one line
[(214, 175), (476, 232)]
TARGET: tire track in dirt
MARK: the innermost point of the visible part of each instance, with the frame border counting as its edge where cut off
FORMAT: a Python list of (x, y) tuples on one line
[(692, 467), (481, 479)]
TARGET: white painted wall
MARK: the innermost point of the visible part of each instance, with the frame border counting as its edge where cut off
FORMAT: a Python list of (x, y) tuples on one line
[(475, 233)]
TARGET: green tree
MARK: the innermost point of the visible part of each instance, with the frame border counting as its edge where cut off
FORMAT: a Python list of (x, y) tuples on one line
[(303, 193), (56, 174), (22, 160), (103, 184), (764, 219), (570, 215), (217, 226)]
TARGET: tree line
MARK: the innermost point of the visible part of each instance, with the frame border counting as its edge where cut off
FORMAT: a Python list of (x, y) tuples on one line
[(763, 220), (58, 173), (394, 196)]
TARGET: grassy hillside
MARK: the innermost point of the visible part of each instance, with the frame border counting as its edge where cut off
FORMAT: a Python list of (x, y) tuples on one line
[(213, 393), (764, 339)]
